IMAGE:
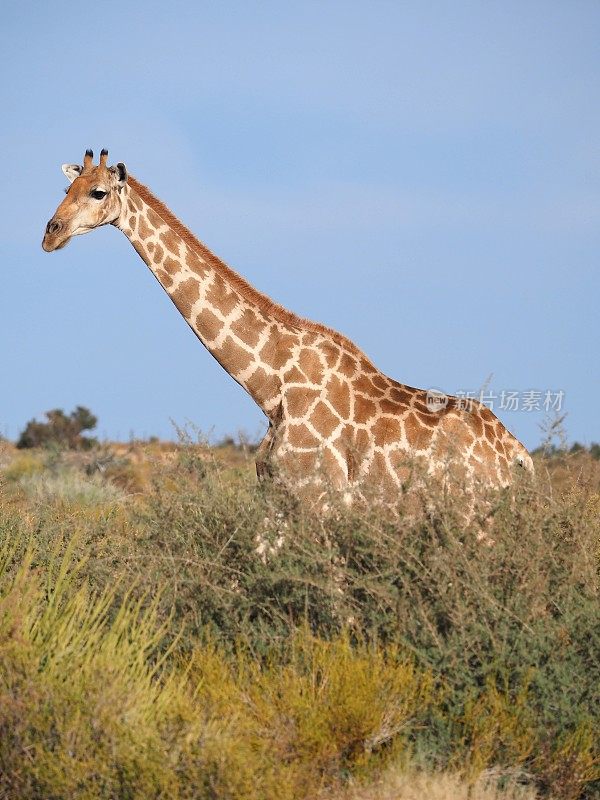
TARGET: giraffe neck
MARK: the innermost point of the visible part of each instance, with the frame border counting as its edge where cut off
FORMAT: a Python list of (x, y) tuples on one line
[(250, 344), (330, 407)]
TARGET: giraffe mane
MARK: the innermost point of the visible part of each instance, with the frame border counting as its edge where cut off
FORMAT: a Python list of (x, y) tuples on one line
[(240, 284)]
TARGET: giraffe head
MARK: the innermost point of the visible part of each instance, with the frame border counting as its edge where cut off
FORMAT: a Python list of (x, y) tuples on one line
[(94, 198)]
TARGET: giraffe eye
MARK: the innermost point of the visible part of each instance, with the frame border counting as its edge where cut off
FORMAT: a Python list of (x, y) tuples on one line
[(98, 194)]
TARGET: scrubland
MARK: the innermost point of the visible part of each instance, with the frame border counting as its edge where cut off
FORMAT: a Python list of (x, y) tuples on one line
[(168, 629)]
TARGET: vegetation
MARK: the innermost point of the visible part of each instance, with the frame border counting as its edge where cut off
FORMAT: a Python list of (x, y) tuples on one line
[(554, 450), (60, 430), (169, 630)]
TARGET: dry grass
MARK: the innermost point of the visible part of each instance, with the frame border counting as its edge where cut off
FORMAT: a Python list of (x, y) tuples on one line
[(407, 784)]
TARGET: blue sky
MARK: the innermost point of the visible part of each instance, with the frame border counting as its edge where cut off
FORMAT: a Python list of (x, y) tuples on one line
[(423, 177)]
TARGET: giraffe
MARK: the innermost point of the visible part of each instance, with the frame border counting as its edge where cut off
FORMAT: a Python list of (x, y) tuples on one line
[(333, 417)]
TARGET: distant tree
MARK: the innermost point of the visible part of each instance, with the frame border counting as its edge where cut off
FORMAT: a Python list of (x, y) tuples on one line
[(552, 450), (60, 430), (593, 449)]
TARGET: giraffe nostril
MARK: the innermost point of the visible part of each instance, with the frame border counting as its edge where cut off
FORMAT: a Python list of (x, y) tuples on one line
[(53, 226)]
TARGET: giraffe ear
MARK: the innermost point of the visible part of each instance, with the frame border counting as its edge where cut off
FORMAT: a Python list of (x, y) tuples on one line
[(72, 171), (120, 173)]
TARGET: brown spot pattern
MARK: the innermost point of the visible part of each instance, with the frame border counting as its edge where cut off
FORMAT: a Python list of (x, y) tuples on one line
[(331, 467), (299, 464), (309, 339), (324, 420), (477, 424), (380, 382), (293, 375), (277, 350), (364, 409), (348, 365), (247, 328), (263, 386), (301, 436), (430, 418), (490, 434), (417, 436), (195, 263), (299, 400), (153, 218), (338, 394), (173, 267), (400, 395), (310, 364), (221, 297), (364, 384), (362, 442), (233, 357), (385, 430), (490, 455), (381, 474), (389, 407), (144, 231), (478, 450), (185, 295), (164, 278), (171, 241), (422, 407), (331, 353), (208, 324)]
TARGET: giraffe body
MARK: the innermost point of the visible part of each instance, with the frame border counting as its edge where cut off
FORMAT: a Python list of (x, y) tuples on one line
[(333, 416)]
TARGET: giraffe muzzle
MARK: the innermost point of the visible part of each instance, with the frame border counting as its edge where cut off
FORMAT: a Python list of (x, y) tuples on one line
[(51, 240)]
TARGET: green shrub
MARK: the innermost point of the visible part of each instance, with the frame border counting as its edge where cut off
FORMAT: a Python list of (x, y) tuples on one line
[(90, 707), (516, 621), (491, 651)]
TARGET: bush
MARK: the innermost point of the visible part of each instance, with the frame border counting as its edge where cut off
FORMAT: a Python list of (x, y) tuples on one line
[(511, 631), (311, 649), (60, 430), (90, 708)]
